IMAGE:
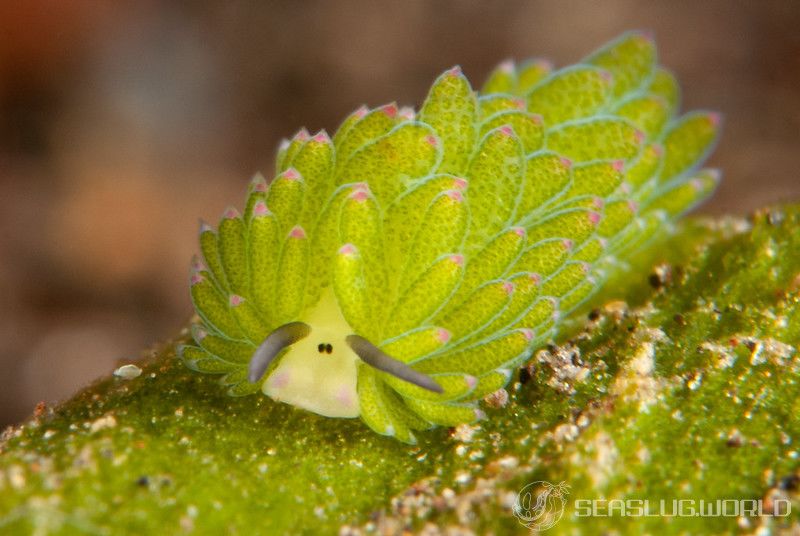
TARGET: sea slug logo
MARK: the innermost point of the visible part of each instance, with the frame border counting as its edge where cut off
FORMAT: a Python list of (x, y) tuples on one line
[(540, 504)]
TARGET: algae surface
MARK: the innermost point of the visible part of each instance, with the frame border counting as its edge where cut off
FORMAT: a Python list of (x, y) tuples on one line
[(682, 383)]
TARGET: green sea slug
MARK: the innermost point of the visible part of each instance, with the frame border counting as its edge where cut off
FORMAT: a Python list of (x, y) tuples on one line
[(402, 270)]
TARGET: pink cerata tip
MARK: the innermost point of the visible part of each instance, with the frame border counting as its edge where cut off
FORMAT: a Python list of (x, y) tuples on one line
[(519, 231), (347, 249), (302, 135), (460, 183), (443, 335), (594, 218), (260, 209), (455, 195), (508, 287), (633, 206), (361, 112), (291, 174), (390, 110), (536, 119), (359, 195), (197, 279), (618, 165), (567, 244), (431, 139), (457, 259), (506, 130), (536, 278), (715, 118), (506, 66), (236, 300), (697, 184), (455, 71), (598, 203), (528, 333), (297, 232), (258, 184), (321, 137), (566, 162), (230, 213), (639, 136), (472, 381)]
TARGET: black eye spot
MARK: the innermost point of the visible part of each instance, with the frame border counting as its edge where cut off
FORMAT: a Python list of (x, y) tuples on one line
[(321, 347), (329, 349)]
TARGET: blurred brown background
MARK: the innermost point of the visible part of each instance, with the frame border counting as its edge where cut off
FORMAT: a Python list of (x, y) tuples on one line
[(121, 123)]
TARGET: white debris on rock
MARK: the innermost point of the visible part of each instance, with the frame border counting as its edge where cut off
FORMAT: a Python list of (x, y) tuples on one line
[(106, 421), (421, 500), (565, 432), (652, 334), (726, 357), (462, 478), (643, 363), (768, 350), (128, 372), (465, 432), (603, 457), (16, 477), (695, 381), (635, 381), (508, 462), (497, 399), (567, 366)]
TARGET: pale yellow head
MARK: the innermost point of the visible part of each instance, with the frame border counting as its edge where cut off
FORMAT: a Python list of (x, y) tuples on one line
[(319, 372)]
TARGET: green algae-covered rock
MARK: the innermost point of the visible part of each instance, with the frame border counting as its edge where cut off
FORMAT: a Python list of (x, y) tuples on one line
[(681, 384)]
